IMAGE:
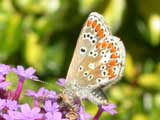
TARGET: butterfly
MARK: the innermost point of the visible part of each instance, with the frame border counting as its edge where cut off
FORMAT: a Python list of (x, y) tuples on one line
[(98, 62)]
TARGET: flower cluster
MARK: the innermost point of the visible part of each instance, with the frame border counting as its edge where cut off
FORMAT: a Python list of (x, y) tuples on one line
[(47, 105)]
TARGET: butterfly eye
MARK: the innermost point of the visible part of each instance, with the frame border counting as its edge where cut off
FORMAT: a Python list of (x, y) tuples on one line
[(81, 68), (90, 77), (86, 73), (83, 50)]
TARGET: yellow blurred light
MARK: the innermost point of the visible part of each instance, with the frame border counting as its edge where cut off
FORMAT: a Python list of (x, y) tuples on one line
[(23, 3), (140, 117), (6, 5), (157, 100), (154, 27), (114, 13), (86, 5), (41, 23), (34, 51), (158, 69), (149, 80), (53, 5), (127, 104), (117, 93), (129, 68), (15, 20), (2, 17), (155, 23)]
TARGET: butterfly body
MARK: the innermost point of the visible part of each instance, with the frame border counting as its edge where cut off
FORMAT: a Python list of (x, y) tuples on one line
[(98, 61)]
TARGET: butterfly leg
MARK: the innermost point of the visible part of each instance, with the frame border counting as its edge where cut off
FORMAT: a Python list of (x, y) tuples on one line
[(70, 104)]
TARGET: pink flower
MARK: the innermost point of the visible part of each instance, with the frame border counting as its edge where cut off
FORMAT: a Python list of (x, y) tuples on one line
[(4, 84), (26, 113), (110, 108), (4, 69), (61, 82), (25, 74), (84, 115)]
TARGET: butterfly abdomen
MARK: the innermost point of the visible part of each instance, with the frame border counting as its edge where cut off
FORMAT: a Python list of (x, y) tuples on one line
[(98, 96)]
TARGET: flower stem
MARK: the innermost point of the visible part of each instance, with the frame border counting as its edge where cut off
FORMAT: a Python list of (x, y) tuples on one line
[(18, 90), (98, 114)]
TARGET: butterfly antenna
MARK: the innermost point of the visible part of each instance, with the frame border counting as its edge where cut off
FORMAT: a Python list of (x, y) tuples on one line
[(41, 81)]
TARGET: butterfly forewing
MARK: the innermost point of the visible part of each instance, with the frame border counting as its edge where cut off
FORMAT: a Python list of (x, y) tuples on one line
[(99, 57), (93, 31)]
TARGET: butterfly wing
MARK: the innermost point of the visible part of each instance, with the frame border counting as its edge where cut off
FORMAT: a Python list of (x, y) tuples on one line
[(98, 59), (84, 42)]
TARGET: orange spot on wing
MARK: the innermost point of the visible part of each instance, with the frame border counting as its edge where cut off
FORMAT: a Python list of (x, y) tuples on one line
[(98, 45), (98, 28), (112, 76), (94, 24), (100, 34), (113, 63), (110, 45), (114, 56), (110, 73), (104, 44), (89, 23), (113, 49)]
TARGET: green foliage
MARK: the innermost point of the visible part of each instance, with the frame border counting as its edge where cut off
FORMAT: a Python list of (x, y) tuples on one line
[(43, 34)]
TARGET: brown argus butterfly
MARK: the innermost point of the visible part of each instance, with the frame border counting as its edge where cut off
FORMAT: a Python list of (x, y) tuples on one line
[(98, 62)]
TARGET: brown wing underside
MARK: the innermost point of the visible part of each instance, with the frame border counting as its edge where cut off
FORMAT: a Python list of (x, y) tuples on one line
[(88, 27), (86, 68)]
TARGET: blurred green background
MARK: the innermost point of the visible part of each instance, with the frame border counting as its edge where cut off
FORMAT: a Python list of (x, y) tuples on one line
[(43, 34)]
